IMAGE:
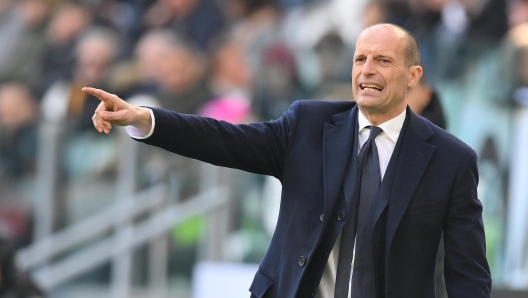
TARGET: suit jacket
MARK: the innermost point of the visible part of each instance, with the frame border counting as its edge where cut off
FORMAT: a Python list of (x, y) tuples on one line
[(309, 149)]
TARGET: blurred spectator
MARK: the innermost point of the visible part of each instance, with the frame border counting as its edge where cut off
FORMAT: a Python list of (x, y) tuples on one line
[(123, 17), (13, 283), (18, 117), (375, 12), (18, 151), (199, 22), (25, 50), (255, 27), (183, 86), (231, 74), (468, 30), (10, 27), (334, 60), (68, 21), (143, 74), (237, 10), (151, 51), (94, 57), (278, 83), (85, 154), (419, 17), (488, 20), (424, 101)]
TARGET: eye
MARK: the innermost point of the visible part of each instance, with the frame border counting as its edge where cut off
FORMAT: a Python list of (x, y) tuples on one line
[(360, 59), (385, 60)]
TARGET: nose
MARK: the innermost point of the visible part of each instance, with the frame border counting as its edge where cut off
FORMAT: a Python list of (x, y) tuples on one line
[(368, 67)]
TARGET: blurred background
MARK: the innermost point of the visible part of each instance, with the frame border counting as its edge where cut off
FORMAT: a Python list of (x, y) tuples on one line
[(90, 215)]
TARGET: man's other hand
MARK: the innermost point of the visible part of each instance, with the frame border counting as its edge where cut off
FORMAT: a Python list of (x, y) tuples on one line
[(114, 111)]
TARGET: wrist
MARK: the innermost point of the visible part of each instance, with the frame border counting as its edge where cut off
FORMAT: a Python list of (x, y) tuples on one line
[(144, 120)]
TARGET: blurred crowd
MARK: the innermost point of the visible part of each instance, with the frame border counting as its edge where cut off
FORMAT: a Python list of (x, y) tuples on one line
[(235, 60)]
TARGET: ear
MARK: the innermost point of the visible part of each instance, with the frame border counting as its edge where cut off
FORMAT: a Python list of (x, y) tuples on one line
[(415, 73)]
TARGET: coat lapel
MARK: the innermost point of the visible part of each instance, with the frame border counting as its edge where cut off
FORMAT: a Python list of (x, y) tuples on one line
[(339, 144), (414, 158)]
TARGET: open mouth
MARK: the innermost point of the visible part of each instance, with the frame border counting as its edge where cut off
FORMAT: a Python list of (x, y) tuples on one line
[(371, 87)]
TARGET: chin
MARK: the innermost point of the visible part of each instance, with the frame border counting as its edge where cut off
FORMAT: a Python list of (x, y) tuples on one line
[(368, 102)]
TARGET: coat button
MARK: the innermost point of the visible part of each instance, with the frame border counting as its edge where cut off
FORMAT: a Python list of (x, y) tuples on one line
[(302, 261), (321, 217), (341, 216)]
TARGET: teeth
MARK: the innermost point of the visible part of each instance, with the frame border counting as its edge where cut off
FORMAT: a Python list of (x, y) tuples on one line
[(371, 87)]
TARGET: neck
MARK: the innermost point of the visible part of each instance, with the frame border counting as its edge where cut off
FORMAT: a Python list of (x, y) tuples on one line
[(379, 118)]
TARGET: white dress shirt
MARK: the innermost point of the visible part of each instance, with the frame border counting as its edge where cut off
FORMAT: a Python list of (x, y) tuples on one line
[(385, 141)]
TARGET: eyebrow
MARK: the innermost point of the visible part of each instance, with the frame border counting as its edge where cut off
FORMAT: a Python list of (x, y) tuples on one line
[(380, 56), (384, 57)]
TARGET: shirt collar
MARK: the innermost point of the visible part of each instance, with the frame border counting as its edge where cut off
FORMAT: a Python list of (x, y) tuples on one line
[(391, 127)]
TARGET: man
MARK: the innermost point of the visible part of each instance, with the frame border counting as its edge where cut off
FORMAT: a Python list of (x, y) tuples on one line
[(429, 182)]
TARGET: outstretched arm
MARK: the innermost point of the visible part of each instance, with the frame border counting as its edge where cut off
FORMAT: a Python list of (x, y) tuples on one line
[(114, 111), (257, 147)]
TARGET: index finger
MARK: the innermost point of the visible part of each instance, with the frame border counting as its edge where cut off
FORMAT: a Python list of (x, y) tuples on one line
[(101, 94)]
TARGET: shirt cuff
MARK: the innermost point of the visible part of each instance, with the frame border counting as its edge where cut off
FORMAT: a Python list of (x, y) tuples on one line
[(135, 133)]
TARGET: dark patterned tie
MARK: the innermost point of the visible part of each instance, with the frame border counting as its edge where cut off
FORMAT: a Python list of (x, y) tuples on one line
[(368, 181)]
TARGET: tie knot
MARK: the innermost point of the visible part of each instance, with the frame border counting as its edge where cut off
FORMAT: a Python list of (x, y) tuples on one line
[(374, 132)]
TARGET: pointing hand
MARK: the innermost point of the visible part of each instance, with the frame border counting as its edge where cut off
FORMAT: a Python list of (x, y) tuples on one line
[(114, 111)]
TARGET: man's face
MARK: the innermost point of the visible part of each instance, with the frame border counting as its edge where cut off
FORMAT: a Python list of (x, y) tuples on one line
[(379, 76)]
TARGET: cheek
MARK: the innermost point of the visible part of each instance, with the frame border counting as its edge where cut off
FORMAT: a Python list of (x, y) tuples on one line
[(356, 73), (400, 83)]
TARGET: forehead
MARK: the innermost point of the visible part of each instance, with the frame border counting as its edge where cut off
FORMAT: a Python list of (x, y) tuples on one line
[(381, 41)]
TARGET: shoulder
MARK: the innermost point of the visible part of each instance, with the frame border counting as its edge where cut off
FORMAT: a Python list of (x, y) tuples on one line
[(447, 142), (312, 112)]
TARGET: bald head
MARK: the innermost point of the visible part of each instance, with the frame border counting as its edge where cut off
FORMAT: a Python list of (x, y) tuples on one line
[(411, 50), (386, 65)]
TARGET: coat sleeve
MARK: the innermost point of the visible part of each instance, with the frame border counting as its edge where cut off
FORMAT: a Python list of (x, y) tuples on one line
[(258, 147), (466, 269)]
